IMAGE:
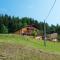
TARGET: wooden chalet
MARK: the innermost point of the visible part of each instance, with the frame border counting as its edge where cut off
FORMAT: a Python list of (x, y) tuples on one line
[(27, 30)]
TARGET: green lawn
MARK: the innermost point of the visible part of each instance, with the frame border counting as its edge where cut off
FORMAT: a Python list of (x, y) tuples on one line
[(52, 47)]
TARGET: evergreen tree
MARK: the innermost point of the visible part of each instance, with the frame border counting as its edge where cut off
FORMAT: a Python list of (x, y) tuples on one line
[(3, 29)]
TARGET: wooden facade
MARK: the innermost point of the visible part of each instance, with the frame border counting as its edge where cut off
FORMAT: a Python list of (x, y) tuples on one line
[(26, 30)]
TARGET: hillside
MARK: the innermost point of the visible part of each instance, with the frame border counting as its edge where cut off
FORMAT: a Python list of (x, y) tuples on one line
[(15, 47)]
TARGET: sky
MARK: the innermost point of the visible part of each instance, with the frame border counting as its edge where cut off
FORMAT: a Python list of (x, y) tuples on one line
[(37, 9)]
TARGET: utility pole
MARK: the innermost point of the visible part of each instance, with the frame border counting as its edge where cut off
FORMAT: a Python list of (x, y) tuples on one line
[(45, 24), (44, 33)]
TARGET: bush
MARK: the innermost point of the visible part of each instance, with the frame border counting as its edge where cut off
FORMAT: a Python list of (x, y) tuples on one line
[(34, 33)]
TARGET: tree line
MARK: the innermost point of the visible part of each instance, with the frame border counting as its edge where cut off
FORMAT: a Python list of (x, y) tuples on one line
[(10, 24)]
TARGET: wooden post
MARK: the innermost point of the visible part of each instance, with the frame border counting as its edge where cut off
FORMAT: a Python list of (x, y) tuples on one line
[(44, 34)]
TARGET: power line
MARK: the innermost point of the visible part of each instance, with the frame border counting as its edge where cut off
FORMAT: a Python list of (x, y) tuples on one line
[(50, 10)]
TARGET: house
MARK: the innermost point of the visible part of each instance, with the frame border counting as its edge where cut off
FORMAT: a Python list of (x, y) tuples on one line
[(27, 30)]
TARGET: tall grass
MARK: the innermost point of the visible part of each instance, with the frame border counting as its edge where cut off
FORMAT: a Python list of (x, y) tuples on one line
[(17, 47), (53, 47)]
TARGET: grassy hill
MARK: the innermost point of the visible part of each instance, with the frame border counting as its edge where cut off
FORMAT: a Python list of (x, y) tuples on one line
[(16, 47)]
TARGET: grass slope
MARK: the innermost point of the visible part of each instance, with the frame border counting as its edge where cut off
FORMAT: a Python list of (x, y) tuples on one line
[(15, 47)]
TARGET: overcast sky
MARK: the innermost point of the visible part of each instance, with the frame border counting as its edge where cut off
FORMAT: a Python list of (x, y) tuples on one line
[(37, 9)]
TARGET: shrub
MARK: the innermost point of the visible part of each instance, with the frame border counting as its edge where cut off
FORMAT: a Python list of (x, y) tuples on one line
[(34, 33)]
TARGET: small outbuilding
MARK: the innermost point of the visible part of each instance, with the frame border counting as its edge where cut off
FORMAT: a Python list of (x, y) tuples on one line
[(52, 37)]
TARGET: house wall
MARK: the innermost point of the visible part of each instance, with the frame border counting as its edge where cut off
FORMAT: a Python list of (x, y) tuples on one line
[(26, 30)]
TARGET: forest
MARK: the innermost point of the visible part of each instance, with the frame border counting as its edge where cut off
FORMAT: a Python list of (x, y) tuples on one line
[(10, 24)]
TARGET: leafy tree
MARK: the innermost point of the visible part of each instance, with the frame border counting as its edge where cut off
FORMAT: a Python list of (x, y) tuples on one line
[(52, 29), (3, 29), (15, 23)]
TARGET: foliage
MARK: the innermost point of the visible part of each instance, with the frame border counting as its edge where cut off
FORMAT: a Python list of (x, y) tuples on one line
[(3, 29), (34, 33), (15, 23)]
